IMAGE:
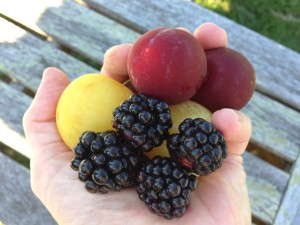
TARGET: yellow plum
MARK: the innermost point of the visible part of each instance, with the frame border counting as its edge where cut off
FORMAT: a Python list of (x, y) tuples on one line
[(87, 105), (180, 112)]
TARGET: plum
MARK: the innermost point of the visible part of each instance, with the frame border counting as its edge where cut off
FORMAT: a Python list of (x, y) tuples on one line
[(87, 105), (168, 64), (230, 80)]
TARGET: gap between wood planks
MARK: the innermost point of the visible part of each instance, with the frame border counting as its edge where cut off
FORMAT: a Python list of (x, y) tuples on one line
[(46, 37), (257, 221), (14, 155), (269, 157), (40, 34), (113, 16), (17, 85)]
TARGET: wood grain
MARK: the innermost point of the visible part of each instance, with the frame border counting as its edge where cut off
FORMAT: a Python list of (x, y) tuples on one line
[(275, 126), (277, 67), (289, 211), (13, 104), (72, 25), (266, 185), (18, 204), (23, 57)]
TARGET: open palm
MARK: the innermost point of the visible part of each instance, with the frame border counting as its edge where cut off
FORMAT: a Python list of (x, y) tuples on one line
[(221, 198)]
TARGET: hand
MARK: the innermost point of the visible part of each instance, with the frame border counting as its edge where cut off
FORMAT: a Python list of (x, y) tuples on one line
[(221, 198)]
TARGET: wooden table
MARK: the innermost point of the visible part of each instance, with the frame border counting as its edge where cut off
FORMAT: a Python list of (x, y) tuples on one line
[(74, 35)]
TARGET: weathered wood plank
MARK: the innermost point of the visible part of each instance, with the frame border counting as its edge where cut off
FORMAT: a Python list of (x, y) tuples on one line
[(24, 57), (277, 67), (18, 204), (13, 103), (296, 220), (15, 14), (289, 211), (266, 185), (275, 126), (72, 25)]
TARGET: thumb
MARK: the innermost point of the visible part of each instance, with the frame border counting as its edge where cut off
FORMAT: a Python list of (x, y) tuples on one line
[(236, 128), (115, 62)]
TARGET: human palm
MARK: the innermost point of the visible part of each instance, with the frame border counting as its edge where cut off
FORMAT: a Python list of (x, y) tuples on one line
[(221, 197)]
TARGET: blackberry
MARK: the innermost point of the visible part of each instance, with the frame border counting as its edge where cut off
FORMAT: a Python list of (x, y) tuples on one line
[(165, 186), (199, 146), (143, 121), (104, 162)]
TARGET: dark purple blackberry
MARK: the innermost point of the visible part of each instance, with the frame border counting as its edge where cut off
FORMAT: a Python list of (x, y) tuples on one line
[(165, 186), (199, 146), (143, 121), (104, 162)]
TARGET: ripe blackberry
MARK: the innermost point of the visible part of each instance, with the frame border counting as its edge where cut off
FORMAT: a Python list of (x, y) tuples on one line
[(165, 186), (199, 146), (104, 162), (143, 121)]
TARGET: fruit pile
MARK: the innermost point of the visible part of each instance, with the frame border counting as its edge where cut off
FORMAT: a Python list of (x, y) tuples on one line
[(170, 64), (154, 132)]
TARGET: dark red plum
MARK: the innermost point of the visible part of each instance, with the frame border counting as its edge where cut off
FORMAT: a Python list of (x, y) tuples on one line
[(168, 64), (230, 80)]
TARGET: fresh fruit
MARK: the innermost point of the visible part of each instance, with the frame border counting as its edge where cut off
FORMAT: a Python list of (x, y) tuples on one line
[(165, 187), (199, 146), (104, 162), (165, 66), (143, 122), (179, 113), (188, 109), (230, 80), (87, 104), (129, 85), (168, 64)]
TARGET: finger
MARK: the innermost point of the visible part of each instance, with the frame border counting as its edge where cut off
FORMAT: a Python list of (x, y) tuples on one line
[(211, 36), (43, 107), (236, 128), (115, 62)]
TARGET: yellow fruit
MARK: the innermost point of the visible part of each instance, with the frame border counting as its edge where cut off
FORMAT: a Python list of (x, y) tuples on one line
[(87, 105), (179, 112)]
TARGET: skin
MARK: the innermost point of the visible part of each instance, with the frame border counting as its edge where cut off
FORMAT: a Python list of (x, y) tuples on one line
[(221, 198)]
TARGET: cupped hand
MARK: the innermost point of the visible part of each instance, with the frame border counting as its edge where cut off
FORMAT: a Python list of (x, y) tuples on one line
[(221, 197)]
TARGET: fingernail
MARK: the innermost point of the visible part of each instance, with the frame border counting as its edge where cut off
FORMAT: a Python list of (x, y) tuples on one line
[(233, 112), (108, 51), (184, 29)]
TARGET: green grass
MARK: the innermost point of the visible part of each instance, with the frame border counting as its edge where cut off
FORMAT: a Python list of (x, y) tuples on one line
[(277, 19)]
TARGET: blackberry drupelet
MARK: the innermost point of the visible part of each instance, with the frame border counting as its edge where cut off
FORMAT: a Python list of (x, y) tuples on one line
[(165, 186), (104, 162), (143, 121), (199, 146)]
